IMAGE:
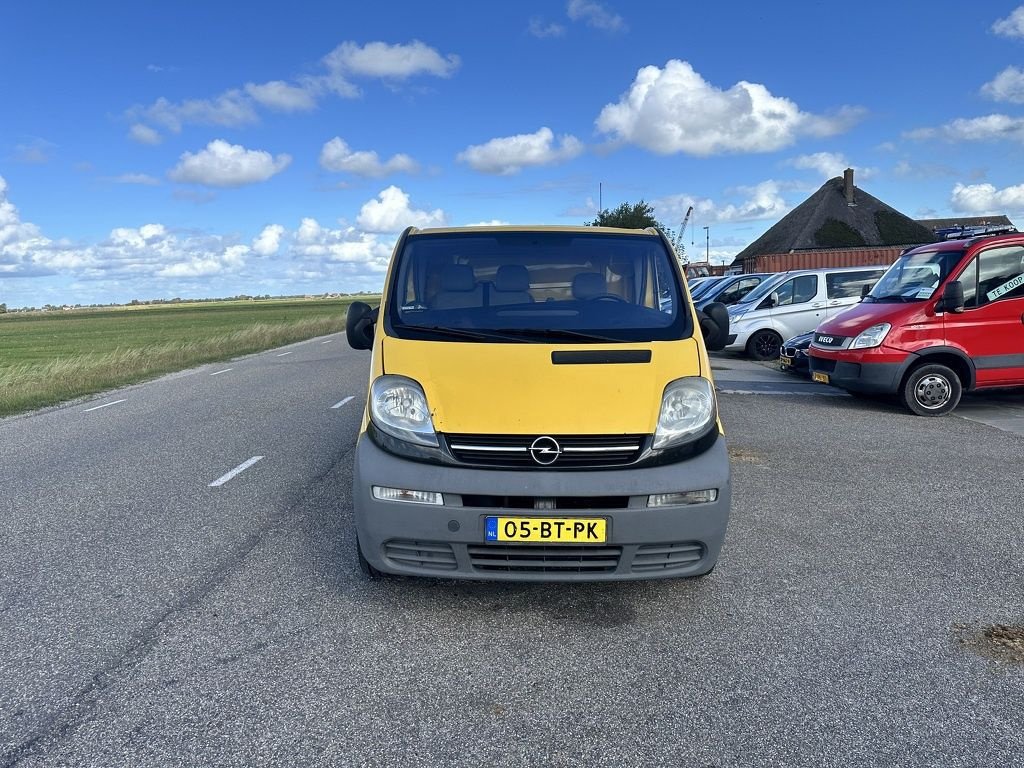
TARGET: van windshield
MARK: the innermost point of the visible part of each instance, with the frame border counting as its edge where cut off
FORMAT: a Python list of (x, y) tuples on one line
[(536, 287), (915, 276)]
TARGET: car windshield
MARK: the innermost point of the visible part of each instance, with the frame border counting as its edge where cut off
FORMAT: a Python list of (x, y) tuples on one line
[(915, 276), (538, 286), (708, 285)]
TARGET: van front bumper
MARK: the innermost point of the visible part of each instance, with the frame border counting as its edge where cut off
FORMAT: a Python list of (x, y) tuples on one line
[(868, 372), (448, 541)]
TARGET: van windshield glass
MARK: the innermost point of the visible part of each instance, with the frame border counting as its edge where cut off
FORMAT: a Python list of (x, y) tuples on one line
[(568, 287), (915, 277)]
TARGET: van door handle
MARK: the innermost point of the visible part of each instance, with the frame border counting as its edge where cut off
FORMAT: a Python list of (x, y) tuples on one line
[(818, 305), (835, 303)]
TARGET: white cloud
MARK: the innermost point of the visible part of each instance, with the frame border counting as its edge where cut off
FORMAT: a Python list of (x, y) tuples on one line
[(391, 62), (763, 201), (337, 156), (227, 165), (541, 29), (231, 109), (146, 252), (281, 96), (34, 152), (390, 212), (675, 110), (1008, 85), (510, 154), (237, 107), (595, 15), (986, 128), (144, 134), (1012, 25), (136, 178), (987, 199), (829, 164), (268, 242), (490, 223), (320, 246)]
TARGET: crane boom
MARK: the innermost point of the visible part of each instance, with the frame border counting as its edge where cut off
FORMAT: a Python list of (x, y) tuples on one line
[(677, 241)]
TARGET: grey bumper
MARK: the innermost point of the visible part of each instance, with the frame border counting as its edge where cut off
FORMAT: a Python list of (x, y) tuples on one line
[(447, 541)]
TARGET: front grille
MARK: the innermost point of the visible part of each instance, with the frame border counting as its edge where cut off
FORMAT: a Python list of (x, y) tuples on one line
[(527, 558), (435, 555), (667, 557), (822, 364), (577, 451), (546, 502), (828, 340)]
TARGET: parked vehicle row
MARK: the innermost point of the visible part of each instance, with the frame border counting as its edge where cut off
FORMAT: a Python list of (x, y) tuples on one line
[(791, 303)]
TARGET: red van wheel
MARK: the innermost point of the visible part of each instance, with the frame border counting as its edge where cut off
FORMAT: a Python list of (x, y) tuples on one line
[(932, 390)]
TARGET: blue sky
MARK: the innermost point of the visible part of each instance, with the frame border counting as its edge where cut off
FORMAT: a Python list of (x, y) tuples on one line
[(209, 149)]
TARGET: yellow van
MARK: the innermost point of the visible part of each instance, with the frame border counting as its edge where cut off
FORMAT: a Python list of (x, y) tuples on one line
[(540, 408)]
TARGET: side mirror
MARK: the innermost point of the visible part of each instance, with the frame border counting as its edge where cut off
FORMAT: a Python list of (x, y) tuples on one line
[(714, 325), (952, 298), (359, 325)]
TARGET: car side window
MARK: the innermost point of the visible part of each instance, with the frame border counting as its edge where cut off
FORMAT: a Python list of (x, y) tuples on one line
[(847, 285), (738, 290), (799, 290), (1000, 275)]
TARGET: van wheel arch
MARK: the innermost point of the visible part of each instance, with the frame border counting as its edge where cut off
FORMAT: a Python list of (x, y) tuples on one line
[(962, 365)]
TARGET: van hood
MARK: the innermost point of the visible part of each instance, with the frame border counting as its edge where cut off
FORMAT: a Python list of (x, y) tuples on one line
[(862, 316), (517, 389)]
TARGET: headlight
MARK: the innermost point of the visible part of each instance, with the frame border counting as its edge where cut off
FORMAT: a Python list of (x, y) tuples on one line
[(399, 408), (687, 408), (871, 337)]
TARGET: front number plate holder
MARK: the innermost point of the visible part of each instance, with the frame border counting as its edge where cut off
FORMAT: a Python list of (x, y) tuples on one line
[(546, 530)]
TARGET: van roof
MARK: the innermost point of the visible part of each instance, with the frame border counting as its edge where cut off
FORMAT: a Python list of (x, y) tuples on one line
[(582, 229)]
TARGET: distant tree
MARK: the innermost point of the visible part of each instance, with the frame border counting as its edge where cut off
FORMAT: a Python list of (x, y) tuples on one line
[(628, 216), (636, 216), (3, 309)]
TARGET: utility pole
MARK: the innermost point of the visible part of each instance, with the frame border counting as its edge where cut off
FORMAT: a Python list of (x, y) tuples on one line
[(707, 247)]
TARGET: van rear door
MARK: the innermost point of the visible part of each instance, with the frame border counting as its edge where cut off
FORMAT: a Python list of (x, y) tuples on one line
[(844, 289)]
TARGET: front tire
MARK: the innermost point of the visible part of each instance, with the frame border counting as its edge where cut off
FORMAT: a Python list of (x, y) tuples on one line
[(764, 345), (931, 390), (364, 565)]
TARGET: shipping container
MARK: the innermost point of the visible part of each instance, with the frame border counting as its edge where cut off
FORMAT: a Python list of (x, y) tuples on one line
[(824, 259)]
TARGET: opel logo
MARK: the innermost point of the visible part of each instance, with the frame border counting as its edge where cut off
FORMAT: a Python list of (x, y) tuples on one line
[(545, 450)]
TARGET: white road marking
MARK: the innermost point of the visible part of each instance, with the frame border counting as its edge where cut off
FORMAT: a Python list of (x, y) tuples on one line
[(286, 353), (327, 342), (240, 468), (342, 402), (105, 405), (787, 392), (218, 373)]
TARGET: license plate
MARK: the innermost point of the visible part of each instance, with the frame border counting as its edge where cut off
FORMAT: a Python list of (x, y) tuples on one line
[(822, 377), (547, 530), (786, 361)]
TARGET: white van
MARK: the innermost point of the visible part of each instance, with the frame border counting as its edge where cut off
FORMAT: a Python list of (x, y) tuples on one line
[(792, 303)]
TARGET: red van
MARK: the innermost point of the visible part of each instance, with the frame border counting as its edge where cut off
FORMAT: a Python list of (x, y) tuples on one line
[(944, 319)]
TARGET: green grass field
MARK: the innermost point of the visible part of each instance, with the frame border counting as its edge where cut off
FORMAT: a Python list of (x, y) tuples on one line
[(46, 358)]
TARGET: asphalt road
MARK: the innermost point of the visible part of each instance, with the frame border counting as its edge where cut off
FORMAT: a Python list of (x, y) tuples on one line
[(148, 617)]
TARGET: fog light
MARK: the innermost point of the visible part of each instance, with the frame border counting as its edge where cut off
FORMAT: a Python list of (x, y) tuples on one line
[(403, 494), (683, 497)]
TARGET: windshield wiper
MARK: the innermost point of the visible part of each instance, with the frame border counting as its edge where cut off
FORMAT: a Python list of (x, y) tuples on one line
[(462, 333), (557, 333), (891, 296)]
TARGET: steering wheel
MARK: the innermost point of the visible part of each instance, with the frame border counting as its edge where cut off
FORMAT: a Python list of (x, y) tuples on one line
[(607, 297)]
